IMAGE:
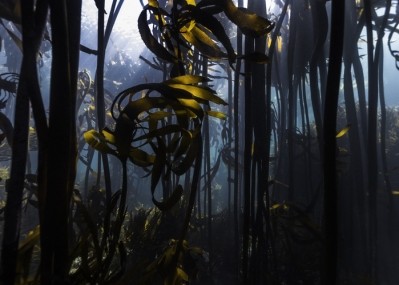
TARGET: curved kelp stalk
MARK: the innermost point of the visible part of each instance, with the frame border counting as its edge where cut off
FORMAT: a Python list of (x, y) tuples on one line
[(273, 53), (358, 165), (103, 36), (372, 148), (28, 89), (320, 25), (256, 160)]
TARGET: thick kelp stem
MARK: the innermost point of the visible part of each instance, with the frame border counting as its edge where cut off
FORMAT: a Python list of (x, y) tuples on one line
[(102, 42), (291, 99), (320, 26), (261, 116), (28, 89), (229, 136), (237, 137), (207, 172), (383, 129), (61, 161), (373, 65), (193, 194), (269, 128), (100, 101), (248, 131), (357, 167), (329, 274)]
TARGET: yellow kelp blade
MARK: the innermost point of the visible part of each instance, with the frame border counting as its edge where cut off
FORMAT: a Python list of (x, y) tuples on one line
[(249, 23), (217, 114), (98, 141), (210, 23), (26, 253), (191, 2), (201, 41), (150, 41), (343, 131), (141, 158), (200, 92), (278, 44), (153, 3)]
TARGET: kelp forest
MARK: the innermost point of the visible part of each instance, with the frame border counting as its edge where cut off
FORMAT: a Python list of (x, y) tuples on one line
[(151, 142)]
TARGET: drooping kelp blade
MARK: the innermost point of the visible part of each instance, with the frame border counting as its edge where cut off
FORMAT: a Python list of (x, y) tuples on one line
[(140, 157), (169, 202), (150, 41), (217, 114), (200, 39), (98, 141), (203, 93), (249, 23), (188, 79), (209, 22)]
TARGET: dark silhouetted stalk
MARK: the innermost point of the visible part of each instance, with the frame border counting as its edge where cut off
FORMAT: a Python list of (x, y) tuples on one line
[(249, 47), (320, 26), (308, 136), (117, 226), (359, 77), (193, 193), (329, 273), (373, 65), (100, 103), (261, 156), (207, 172), (61, 160), (372, 143), (28, 89), (291, 99), (383, 151), (273, 58), (237, 180), (281, 102), (229, 134), (113, 15), (355, 198)]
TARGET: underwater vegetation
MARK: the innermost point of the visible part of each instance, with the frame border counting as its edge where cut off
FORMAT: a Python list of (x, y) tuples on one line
[(250, 142)]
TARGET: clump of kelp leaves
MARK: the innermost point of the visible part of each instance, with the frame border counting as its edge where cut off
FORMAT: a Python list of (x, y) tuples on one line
[(158, 128)]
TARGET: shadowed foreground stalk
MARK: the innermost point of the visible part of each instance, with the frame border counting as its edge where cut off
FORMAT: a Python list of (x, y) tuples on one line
[(329, 270), (61, 159), (28, 89)]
